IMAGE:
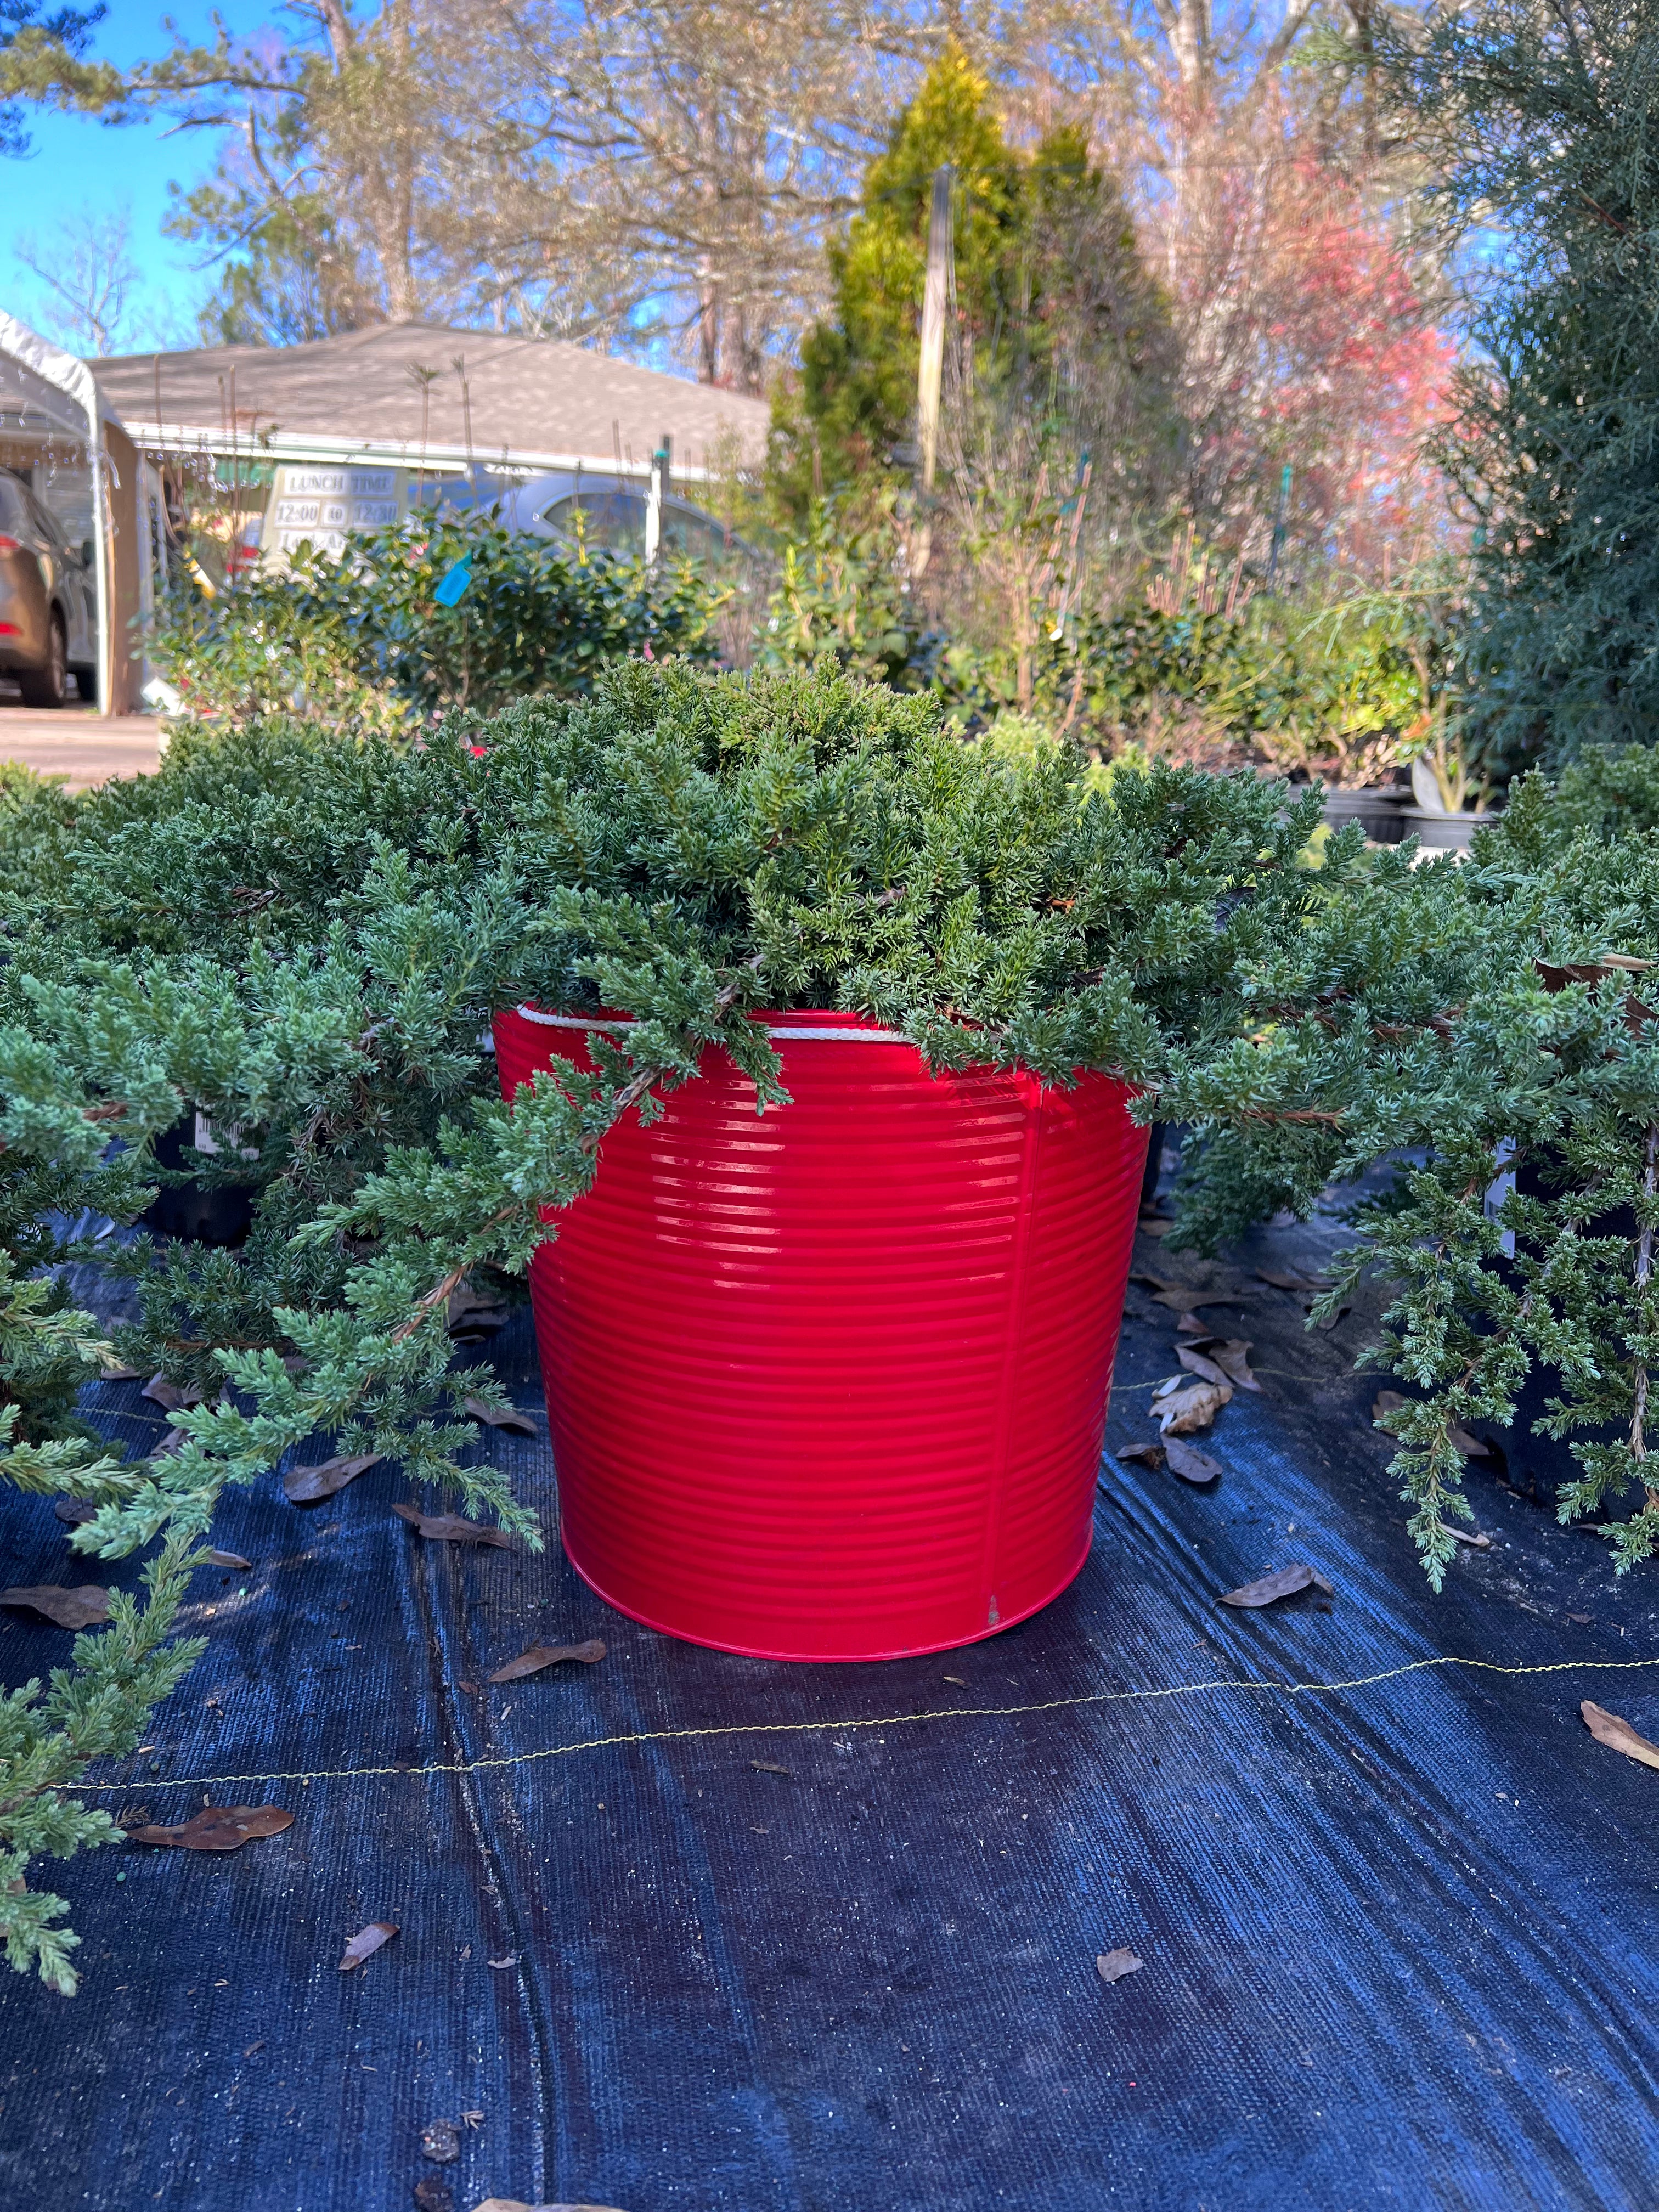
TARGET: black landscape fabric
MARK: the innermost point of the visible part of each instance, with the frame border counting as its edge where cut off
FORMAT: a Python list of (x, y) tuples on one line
[(685, 1930)]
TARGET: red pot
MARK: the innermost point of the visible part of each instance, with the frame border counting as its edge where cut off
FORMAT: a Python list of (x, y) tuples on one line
[(830, 1382)]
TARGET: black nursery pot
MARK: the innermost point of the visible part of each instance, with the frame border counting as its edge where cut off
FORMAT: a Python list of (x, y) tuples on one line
[(191, 1212), (1380, 814)]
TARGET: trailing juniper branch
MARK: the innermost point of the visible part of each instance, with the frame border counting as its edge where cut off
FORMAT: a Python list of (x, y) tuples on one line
[(1491, 1026)]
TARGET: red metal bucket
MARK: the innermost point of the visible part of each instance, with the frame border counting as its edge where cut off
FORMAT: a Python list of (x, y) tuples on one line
[(830, 1382)]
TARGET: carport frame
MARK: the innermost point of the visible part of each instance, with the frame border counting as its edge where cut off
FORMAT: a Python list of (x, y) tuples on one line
[(64, 373)]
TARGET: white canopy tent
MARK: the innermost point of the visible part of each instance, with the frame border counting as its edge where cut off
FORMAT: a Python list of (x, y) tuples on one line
[(50, 400)]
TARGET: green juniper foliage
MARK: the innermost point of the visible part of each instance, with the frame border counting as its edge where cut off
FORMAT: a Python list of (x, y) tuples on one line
[(55, 1169), (1481, 1023), (302, 938), (686, 849)]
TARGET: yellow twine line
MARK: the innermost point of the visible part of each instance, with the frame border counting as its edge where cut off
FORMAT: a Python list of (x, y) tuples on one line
[(892, 1720)]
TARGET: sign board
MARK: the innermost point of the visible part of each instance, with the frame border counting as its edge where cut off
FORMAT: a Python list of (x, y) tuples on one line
[(320, 504)]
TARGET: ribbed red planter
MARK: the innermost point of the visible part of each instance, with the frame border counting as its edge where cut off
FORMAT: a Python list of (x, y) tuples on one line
[(830, 1382)]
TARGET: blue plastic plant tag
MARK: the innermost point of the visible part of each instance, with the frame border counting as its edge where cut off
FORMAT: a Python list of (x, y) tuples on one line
[(453, 583)]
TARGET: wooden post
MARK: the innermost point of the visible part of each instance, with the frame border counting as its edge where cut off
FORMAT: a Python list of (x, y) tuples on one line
[(935, 300)]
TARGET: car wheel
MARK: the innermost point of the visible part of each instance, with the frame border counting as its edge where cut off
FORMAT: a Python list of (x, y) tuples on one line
[(43, 686), (86, 682)]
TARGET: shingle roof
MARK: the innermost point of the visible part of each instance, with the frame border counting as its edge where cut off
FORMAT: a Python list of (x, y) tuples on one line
[(531, 396)]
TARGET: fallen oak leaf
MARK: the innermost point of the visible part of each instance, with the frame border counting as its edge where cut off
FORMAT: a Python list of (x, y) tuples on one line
[(1231, 1355), (1618, 1735), (1113, 1965), (517, 1424), (76, 1510), (1178, 1412), (1195, 1300), (1272, 1588), (531, 1661), (1197, 1363), (170, 1396), (1286, 1279), (220, 1828), (451, 1529), (304, 1485), (1189, 1464), (86, 1606), (1151, 1454), (366, 1943)]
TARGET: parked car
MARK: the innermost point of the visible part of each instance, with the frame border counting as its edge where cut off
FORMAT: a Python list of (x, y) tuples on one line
[(48, 600), (613, 512)]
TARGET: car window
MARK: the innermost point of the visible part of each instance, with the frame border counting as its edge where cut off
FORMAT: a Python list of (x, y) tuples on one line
[(615, 520), (14, 515), (47, 523)]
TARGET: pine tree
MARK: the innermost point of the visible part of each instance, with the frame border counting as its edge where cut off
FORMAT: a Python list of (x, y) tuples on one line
[(1048, 284), (1544, 125)]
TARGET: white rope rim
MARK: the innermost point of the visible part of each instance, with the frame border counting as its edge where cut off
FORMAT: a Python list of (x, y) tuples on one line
[(778, 1033)]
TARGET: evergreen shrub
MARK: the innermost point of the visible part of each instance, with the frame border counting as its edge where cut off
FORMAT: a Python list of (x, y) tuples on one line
[(301, 936), (1493, 1027), (361, 641)]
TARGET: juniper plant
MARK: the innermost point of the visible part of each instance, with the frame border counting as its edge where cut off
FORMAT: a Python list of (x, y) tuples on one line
[(302, 941), (1490, 1026)]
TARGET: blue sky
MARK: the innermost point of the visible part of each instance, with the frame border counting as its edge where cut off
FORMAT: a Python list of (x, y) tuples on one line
[(79, 165)]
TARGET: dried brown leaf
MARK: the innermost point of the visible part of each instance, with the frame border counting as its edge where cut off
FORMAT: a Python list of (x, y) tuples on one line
[(432, 2194), (75, 1510), (117, 1372), (473, 1317), (1197, 1362), (366, 1943), (1387, 1401), (1231, 1354), (304, 1485), (518, 2204), (1618, 1735), (228, 1559), (170, 1396), (1151, 1454), (517, 1424), (1156, 1226), (86, 1606), (1285, 1278), (1113, 1965), (1189, 1464), (770, 1766), (1272, 1588), (451, 1529), (220, 1828), (1195, 1301), (1471, 1447), (1179, 1412), (548, 1654)]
